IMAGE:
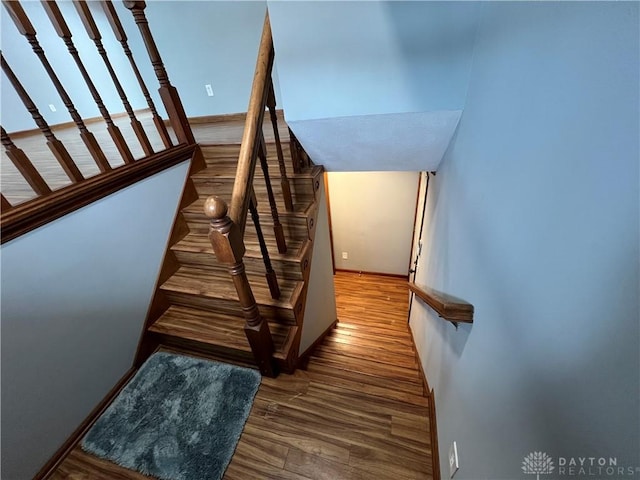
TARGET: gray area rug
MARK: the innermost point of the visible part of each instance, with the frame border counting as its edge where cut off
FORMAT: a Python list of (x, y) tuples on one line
[(179, 418)]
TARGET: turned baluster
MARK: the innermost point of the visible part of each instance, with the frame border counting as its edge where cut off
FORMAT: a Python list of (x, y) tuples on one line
[(60, 25), (296, 158), (284, 181), (56, 146), (121, 36), (272, 280), (94, 34), (24, 165), (4, 203), (277, 226), (228, 246), (168, 93), (25, 28)]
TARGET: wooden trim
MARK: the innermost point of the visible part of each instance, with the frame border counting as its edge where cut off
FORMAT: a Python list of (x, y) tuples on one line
[(448, 307), (362, 272), (54, 462), (225, 117), (64, 125), (4, 203), (303, 360), (35, 213), (326, 190), (433, 429), (425, 383)]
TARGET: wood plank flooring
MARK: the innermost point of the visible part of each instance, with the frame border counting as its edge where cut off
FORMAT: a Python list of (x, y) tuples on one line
[(358, 412)]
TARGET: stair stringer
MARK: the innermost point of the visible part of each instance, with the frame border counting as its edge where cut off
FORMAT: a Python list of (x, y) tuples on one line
[(170, 265)]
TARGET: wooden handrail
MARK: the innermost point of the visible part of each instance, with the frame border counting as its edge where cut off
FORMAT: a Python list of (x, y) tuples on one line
[(240, 196), (447, 306), (30, 215), (226, 231)]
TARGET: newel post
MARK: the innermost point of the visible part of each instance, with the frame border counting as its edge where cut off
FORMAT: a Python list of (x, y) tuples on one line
[(227, 243)]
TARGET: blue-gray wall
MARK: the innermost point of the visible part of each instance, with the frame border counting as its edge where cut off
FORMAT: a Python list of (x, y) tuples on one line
[(218, 46), (373, 85), (533, 217), (346, 58), (74, 299)]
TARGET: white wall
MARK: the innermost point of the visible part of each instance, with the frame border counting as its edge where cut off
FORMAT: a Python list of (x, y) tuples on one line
[(320, 310), (372, 216), (74, 299), (533, 217)]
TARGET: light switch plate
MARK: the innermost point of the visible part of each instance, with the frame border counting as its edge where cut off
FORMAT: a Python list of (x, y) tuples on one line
[(454, 465)]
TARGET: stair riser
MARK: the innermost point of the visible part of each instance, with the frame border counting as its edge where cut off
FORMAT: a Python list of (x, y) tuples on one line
[(253, 266), (230, 307), (237, 357), (301, 190), (214, 155), (294, 227)]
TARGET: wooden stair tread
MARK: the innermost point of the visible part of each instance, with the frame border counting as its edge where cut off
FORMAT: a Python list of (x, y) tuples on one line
[(194, 281), (199, 243), (221, 330), (300, 210), (226, 169)]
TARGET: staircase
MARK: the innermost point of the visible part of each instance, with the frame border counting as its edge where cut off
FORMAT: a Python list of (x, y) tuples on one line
[(244, 303), (196, 306)]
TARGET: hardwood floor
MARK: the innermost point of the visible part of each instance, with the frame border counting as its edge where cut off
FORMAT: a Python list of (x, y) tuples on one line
[(358, 412)]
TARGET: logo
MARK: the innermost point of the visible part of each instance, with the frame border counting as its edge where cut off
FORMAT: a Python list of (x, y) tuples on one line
[(537, 463)]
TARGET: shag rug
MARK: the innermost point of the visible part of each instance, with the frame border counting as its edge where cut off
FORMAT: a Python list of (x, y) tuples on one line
[(179, 418)]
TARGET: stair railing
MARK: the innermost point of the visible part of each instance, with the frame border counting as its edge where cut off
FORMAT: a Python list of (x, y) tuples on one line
[(227, 228), (20, 207)]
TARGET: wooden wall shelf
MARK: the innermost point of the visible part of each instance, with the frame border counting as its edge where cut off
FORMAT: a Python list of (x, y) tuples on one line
[(448, 307)]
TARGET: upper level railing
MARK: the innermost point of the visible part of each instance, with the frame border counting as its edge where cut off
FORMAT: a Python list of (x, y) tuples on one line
[(19, 216), (228, 221)]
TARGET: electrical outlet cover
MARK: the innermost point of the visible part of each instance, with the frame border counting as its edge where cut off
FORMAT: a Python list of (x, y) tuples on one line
[(453, 460)]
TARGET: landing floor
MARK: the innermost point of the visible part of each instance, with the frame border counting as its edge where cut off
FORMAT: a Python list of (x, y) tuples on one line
[(357, 413)]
